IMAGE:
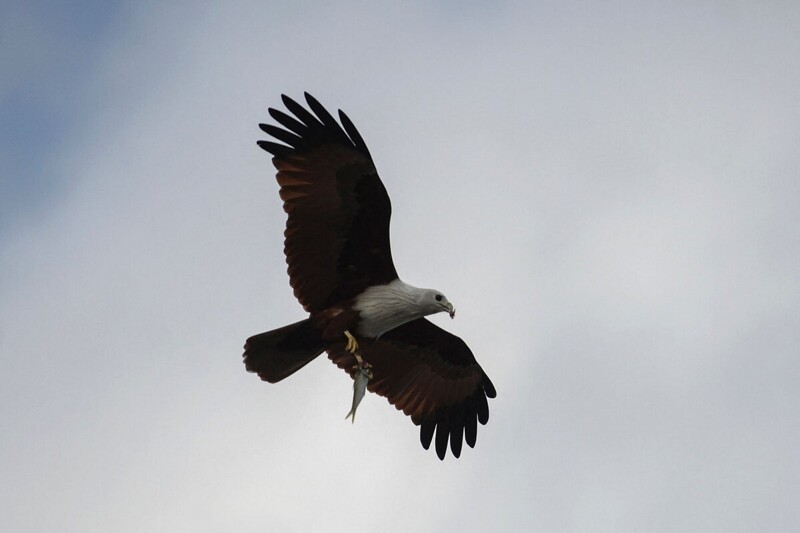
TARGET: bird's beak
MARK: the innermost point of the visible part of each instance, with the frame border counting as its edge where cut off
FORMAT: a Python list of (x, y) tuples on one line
[(451, 310)]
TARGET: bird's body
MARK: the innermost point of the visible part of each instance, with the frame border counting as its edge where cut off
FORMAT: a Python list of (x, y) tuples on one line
[(341, 269)]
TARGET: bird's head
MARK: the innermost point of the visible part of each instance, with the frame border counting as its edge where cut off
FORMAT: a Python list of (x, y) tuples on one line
[(436, 302)]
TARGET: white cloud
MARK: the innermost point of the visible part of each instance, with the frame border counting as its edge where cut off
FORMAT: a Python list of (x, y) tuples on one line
[(605, 197)]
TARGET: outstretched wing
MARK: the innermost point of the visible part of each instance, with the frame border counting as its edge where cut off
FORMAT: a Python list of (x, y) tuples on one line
[(337, 233), (430, 375)]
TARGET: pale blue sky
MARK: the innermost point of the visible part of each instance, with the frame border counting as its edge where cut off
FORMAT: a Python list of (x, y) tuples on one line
[(50, 51), (608, 194)]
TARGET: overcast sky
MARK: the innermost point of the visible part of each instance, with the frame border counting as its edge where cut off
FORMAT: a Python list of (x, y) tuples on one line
[(609, 195)]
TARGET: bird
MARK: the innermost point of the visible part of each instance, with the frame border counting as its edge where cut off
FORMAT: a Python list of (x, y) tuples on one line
[(340, 267)]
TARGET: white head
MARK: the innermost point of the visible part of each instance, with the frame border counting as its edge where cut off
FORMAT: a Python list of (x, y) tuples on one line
[(385, 307), (432, 301)]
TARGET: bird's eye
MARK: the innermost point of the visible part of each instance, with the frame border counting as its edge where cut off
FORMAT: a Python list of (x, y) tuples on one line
[(438, 297)]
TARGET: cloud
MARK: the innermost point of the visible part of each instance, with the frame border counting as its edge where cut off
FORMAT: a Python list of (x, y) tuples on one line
[(606, 195)]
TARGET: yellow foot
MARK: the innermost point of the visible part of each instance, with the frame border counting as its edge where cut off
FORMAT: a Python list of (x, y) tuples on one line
[(352, 344)]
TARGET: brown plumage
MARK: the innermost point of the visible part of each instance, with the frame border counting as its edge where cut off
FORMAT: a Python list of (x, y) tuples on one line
[(337, 247)]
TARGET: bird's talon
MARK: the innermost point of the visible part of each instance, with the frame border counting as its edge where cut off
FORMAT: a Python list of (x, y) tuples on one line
[(352, 343), (363, 367)]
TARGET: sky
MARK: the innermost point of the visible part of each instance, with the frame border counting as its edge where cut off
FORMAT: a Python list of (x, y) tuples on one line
[(607, 193)]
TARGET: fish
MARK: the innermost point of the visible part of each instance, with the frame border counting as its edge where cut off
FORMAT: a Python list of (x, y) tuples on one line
[(360, 380)]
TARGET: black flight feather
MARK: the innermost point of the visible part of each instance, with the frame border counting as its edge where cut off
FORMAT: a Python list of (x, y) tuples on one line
[(290, 123), (275, 149)]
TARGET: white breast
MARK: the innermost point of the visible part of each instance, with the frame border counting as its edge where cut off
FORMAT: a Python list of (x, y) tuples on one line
[(384, 307)]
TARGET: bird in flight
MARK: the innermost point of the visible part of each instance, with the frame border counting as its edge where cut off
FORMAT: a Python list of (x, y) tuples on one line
[(369, 321)]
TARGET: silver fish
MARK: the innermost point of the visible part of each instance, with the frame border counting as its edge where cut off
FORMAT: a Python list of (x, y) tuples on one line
[(362, 377)]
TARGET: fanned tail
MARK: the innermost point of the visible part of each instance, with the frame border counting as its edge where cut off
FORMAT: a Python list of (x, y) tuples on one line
[(277, 354)]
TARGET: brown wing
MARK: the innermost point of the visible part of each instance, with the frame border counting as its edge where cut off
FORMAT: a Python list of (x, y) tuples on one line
[(337, 232), (432, 376)]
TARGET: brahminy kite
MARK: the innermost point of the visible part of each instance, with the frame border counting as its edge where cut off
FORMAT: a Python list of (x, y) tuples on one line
[(361, 313)]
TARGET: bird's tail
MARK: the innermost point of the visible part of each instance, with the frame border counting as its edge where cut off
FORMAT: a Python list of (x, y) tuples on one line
[(281, 352)]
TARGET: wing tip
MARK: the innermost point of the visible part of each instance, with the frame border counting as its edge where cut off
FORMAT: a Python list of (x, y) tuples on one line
[(488, 387), (287, 100), (457, 424), (312, 125), (310, 99), (277, 150)]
